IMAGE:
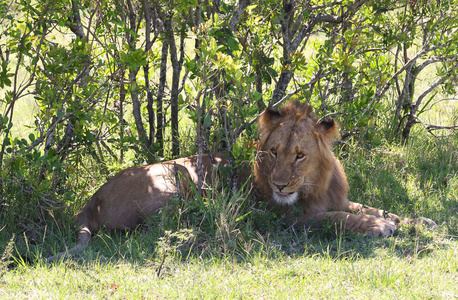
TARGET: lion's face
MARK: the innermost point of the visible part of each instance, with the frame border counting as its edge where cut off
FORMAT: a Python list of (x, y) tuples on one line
[(294, 152), (291, 162)]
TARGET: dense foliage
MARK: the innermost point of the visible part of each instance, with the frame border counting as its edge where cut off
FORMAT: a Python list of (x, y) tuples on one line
[(116, 83)]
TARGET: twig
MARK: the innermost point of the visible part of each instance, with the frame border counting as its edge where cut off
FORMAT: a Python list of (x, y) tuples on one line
[(234, 178), (204, 140), (430, 127), (385, 88), (177, 179), (441, 100), (159, 269), (437, 127), (244, 125), (420, 121), (326, 116), (347, 135), (314, 80), (433, 86)]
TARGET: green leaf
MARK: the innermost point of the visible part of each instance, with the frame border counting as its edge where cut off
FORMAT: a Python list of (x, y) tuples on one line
[(51, 152), (208, 120), (238, 75)]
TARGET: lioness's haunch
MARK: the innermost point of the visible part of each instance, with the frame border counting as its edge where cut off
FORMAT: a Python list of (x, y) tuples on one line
[(294, 167)]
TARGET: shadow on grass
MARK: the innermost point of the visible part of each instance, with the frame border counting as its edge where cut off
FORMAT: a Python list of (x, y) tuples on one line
[(423, 183), (142, 247)]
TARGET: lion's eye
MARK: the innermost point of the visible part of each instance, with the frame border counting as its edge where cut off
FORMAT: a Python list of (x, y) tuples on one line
[(273, 152), (300, 156)]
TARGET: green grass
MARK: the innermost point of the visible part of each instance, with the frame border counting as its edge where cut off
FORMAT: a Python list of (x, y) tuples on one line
[(382, 276), (261, 257)]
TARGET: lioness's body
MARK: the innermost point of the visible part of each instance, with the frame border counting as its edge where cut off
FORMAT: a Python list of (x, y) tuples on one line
[(137, 192), (125, 200), (294, 166)]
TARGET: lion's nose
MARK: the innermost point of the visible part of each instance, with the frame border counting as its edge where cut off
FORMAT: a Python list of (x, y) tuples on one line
[(280, 186)]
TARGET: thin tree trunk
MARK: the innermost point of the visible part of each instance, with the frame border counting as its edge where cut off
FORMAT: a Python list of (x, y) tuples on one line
[(159, 98), (149, 106), (200, 172), (293, 38), (176, 67), (136, 106), (148, 44), (122, 97), (346, 89)]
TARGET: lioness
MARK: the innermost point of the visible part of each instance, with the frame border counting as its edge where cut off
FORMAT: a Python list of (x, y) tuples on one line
[(294, 166)]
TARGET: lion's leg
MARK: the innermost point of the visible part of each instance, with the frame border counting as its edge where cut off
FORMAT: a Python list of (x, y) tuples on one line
[(83, 237), (358, 208), (363, 223)]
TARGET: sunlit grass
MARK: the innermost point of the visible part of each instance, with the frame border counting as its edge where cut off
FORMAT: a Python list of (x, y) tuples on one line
[(383, 277)]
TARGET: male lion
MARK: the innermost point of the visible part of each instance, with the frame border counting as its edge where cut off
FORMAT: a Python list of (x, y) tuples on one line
[(294, 166)]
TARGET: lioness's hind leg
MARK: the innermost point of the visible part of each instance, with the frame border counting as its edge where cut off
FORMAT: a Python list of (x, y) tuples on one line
[(358, 208), (417, 221)]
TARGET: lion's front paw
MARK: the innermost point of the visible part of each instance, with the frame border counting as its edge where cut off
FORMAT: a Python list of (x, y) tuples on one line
[(380, 227)]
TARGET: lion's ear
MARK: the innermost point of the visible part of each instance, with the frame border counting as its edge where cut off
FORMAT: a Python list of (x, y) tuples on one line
[(328, 128), (267, 122), (269, 117)]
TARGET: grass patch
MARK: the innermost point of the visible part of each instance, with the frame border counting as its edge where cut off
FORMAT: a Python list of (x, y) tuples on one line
[(257, 256), (319, 276)]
